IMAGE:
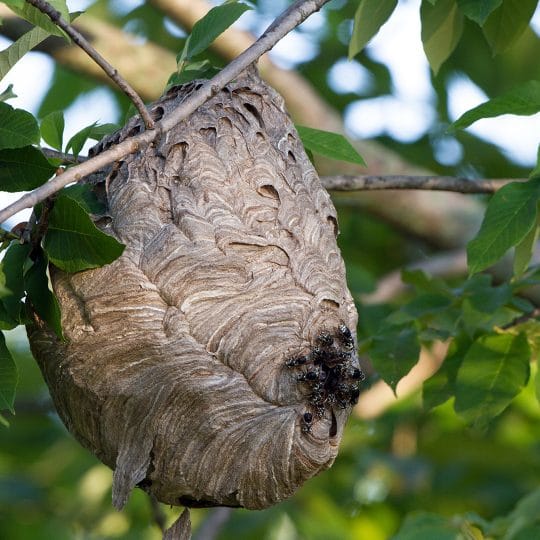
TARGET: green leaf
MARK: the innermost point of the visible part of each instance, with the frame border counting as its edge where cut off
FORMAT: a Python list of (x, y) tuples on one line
[(23, 169), (507, 23), (523, 100), (426, 526), (442, 26), (8, 377), (192, 71), (76, 142), (394, 353), (40, 296), (520, 522), (12, 267), (34, 16), (425, 283), (207, 29), (493, 372), (483, 296), (510, 216), (441, 386), (531, 329), (7, 93), (18, 128), (536, 170), (478, 10), (427, 304), (369, 17), (524, 251), (100, 130), (331, 145), (85, 196), (12, 54), (94, 131), (73, 242), (475, 322), (52, 129)]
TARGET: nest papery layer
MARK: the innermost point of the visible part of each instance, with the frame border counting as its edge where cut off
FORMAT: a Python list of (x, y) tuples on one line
[(174, 370)]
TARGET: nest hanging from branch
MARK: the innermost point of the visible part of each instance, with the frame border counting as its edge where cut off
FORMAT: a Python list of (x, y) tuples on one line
[(213, 363)]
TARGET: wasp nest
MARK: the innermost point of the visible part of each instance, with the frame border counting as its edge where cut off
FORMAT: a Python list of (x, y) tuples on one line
[(213, 363)]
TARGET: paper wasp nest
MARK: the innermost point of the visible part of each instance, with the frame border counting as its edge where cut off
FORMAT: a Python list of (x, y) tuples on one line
[(213, 363)]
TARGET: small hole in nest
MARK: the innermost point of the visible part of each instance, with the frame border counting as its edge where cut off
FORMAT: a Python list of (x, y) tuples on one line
[(210, 134), (134, 131), (333, 426), (327, 303), (253, 110), (291, 156), (334, 224), (157, 113), (269, 191)]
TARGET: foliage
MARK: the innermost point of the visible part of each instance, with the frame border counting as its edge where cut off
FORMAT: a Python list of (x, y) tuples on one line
[(485, 393)]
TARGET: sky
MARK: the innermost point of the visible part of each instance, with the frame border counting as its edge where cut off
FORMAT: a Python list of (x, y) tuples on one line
[(405, 115)]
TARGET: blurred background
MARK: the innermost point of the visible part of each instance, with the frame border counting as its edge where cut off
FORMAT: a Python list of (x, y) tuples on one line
[(395, 457)]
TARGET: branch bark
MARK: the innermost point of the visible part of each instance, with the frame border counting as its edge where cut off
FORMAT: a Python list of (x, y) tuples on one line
[(80, 41), (290, 19), (430, 183)]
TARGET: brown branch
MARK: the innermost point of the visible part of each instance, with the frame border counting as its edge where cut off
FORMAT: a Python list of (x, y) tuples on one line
[(432, 183), (66, 158), (112, 72), (290, 19)]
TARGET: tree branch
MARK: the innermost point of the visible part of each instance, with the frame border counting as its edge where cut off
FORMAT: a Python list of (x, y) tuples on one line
[(289, 20), (66, 158), (111, 71), (432, 183)]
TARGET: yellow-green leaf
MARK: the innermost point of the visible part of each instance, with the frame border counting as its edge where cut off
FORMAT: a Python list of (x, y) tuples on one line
[(442, 26), (507, 23), (369, 17)]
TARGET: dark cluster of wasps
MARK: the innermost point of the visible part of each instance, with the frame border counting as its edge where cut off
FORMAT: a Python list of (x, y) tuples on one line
[(329, 373)]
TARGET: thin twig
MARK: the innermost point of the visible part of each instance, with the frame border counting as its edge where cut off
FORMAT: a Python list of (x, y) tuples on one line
[(84, 44), (213, 523), (66, 158), (433, 183), (295, 15), (534, 314)]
